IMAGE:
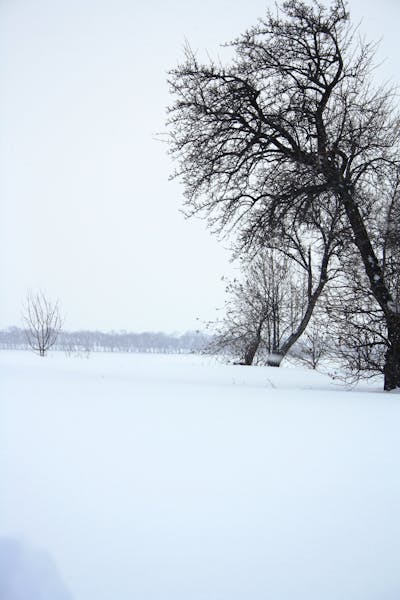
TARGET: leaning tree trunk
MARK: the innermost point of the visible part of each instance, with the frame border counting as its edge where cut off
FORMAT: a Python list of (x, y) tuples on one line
[(392, 357), (379, 289), (278, 355), (251, 351)]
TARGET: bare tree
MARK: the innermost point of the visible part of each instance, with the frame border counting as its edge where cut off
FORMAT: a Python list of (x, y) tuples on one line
[(43, 322), (314, 344), (260, 313), (291, 123), (267, 312)]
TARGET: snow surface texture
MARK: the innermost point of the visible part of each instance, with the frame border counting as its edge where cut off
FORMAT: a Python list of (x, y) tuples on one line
[(174, 478)]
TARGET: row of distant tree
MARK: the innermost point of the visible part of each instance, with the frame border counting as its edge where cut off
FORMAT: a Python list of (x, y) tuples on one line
[(84, 342)]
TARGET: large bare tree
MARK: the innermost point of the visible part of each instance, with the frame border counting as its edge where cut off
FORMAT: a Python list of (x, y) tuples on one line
[(293, 122)]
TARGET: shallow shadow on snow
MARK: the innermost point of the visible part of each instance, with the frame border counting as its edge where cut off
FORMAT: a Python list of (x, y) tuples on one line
[(28, 574)]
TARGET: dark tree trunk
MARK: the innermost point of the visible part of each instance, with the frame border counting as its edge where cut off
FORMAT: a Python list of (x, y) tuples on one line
[(313, 297), (392, 358), (251, 351), (362, 241), (380, 291)]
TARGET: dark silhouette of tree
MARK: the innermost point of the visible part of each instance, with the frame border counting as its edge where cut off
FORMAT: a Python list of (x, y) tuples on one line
[(293, 123)]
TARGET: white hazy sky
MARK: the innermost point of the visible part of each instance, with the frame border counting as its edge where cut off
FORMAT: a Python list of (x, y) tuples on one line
[(86, 209)]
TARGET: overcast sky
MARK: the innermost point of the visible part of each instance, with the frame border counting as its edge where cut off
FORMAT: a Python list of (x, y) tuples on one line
[(86, 209)]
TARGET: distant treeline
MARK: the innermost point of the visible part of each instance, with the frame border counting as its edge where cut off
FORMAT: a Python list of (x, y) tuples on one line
[(71, 342)]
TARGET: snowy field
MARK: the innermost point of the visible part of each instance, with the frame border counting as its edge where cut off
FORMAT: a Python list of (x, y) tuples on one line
[(144, 477)]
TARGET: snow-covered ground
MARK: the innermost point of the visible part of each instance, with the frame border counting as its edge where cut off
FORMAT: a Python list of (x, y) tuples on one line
[(175, 478)]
